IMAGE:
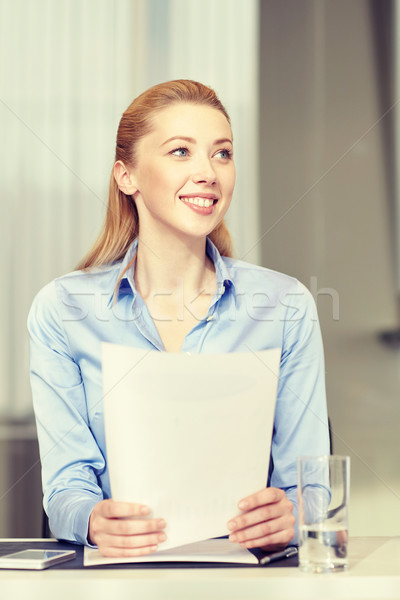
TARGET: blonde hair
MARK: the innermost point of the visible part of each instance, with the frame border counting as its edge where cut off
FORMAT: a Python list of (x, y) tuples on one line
[(121, 225)]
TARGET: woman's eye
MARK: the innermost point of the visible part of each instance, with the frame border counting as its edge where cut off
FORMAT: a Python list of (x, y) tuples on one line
[(226, 154), (180, 152)]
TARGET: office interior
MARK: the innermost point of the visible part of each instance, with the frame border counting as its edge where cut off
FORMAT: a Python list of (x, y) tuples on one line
[(311, 88)]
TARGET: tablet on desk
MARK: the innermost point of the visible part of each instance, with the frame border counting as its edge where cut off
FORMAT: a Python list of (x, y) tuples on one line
[(35, 559)]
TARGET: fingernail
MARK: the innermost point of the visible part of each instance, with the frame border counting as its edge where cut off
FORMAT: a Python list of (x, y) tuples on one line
[(144, 510), (162, 537), (243, 504), (233, 537), (161, 524), (231, 525)]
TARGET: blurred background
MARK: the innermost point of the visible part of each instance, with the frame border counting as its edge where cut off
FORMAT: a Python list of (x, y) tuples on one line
[(312, 88)]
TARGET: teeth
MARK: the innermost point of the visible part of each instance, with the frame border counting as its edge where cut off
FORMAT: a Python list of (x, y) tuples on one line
[(206, 202)]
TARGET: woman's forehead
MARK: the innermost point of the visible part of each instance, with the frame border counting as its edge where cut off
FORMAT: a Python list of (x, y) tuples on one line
[(187, 119)]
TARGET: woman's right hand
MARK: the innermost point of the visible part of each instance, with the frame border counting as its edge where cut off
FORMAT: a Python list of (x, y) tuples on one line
[(121, 529)]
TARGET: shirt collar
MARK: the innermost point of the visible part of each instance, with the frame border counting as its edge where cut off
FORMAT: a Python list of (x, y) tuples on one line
[(127, 283), (224, 278)]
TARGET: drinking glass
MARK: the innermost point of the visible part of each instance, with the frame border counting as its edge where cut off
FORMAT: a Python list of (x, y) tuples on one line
[(323, 507)]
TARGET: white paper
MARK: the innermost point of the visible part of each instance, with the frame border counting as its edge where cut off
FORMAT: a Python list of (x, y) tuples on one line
[(219, 550), (188, 434)]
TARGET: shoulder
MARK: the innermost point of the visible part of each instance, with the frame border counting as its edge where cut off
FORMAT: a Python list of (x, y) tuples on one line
[(92, 278), (265, 287), (244, 273), (46, 303)]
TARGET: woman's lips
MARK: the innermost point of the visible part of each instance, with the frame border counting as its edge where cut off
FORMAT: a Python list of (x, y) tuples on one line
[(200, 204)]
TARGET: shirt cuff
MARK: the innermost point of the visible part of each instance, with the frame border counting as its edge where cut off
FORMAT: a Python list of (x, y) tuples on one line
[(69, 515), (291, 494), (81, 523)]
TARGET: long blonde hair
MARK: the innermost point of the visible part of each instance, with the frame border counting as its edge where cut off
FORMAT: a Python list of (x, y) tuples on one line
[(121, 225)]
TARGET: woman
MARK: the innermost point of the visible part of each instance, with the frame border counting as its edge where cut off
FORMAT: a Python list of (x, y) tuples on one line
[(160, 277)]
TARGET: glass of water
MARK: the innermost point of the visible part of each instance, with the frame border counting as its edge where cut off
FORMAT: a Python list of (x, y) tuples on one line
[(323, 512)]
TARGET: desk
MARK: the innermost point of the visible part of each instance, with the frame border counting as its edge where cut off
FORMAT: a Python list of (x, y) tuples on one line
[(374, 574)]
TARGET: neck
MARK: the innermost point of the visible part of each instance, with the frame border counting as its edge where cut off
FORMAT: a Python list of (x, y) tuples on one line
[(166, 267)]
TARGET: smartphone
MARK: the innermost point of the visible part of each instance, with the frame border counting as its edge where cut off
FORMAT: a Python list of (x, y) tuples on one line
[(35, 559)]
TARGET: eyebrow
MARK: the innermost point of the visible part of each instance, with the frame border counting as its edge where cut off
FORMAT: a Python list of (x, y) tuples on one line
[(193, 141)]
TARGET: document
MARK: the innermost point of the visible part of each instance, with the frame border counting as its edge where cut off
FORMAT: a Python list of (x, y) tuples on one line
[(188, 435), (218, 550), (208, 551)]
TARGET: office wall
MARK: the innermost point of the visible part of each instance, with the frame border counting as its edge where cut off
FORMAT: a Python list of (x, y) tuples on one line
[(324, 208), (326, 218), (20, 482)]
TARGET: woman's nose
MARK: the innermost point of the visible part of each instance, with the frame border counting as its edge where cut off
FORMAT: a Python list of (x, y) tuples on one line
[(204, 172)]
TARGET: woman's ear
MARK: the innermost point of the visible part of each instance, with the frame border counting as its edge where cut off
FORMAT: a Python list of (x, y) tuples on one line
[(124, 179)]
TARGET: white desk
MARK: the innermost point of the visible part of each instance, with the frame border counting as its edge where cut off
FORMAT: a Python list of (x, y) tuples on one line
[(374, 574)]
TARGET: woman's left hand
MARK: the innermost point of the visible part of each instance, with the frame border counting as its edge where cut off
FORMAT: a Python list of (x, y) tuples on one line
[(266, 522)]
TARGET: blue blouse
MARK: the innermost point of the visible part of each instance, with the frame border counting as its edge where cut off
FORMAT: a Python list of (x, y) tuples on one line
[(253, 309)]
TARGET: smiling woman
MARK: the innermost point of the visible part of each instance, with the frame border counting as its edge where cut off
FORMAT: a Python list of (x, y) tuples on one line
[(121, 224), (164, 261)]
